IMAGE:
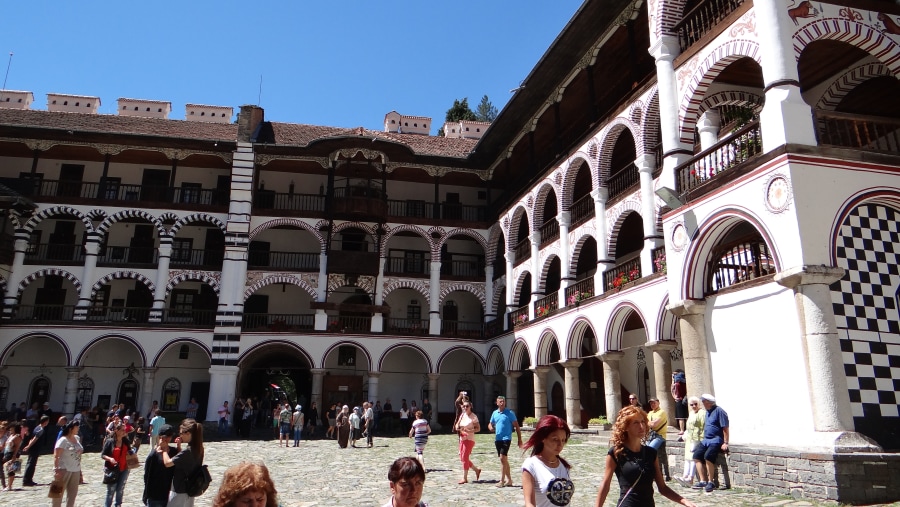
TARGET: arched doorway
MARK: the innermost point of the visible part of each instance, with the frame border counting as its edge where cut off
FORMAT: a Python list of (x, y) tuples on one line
[(40, 391), (275, 372)]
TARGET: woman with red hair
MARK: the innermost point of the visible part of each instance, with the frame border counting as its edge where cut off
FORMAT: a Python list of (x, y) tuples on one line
[(545, 475)]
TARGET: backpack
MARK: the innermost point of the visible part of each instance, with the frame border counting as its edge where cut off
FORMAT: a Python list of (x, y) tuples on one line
[(196, 483)]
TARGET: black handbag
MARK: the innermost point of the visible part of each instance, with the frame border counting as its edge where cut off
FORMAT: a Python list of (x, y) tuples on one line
[(110, 475)]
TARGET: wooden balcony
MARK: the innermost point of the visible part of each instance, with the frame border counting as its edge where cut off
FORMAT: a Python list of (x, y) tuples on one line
[(622, 181), (579, 291), (54, 253), (195, 258), (204, 319), (428, 211), (288, 202), (522, 251), (549, 232), (582, 210), (349, 324), (518, 317), (872, 133), (463, 329), (546, 306), (116, 256), (121, 194), (715, 165), (413, 267), (738, 262), (702, 19), (625, 272), (277, 322), (407, 327), (284, 261)]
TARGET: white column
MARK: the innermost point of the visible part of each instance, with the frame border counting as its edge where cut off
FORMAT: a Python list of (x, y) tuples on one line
[(565, 256), (664, 52), (612, 383), (490, 312), (321, 317), (147, 389), (11, 298), (222, 386), (692, 324), (71, 394), (510, 287), (601, 195), (512, 387), (162, 278), (540, 390), (708, 127), (786, 117), (646, 164), (434, 306), (433, 399), (373, 385), (377, 325), (91, 251), (537, 292), (662, 375), (573, 393), (315, 395)]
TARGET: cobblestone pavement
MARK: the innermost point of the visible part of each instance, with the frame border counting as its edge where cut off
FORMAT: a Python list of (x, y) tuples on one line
[(318, 473)]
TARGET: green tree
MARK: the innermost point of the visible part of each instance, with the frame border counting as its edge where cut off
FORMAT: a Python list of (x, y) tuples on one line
[(459, 111), (485, 111)]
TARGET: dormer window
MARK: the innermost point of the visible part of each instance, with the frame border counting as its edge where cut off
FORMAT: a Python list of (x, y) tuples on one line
[(54, 102), (77, 104), (65, 102), (203, 113)]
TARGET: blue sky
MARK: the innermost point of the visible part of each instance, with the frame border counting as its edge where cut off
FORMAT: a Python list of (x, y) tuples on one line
[(336, 63)]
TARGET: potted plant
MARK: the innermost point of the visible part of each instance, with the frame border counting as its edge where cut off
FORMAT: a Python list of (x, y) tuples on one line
[(660, 263), (529, 422), (542, 311), (600, 423)]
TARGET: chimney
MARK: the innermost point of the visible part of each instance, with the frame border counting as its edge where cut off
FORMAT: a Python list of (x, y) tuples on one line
[(248, 122)]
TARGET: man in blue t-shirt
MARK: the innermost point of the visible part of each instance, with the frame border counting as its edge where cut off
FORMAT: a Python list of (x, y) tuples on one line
[(503, 422), (715, 440)]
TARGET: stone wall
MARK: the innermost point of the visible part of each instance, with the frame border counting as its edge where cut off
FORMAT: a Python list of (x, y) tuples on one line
[(858, 478)]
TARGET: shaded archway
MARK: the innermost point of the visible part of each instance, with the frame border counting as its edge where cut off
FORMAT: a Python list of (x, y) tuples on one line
[(275, 371)]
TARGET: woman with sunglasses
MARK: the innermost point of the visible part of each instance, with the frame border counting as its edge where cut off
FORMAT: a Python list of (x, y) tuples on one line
[(693, 433), (185, 462), (466, 427), (634, 464)]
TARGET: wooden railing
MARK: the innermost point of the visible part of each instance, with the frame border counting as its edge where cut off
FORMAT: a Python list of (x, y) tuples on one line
[(701, 19), (579, 291), (413, 208), (738, 262), (658, 255), (518, 317), (628, 271), (115, 191), (522, 251), (462, 329), (126, 255), (289, 261), (549, 231), (278, 322), (471, 268), (189, 318), (44, 313), (55, 253), (407, 327), (739, 147), (118, 315), (856, 131), (197, 258), (546, 305), (404, 266), (265, 199), (349, 324), (622, 180), (582, 210)]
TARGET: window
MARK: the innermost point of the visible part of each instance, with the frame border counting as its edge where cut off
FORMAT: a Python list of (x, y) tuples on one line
[(85, 394), (171, 394), (184, 352), (181, 250), (99, 301), (33, 243), (182, 302), (346, 355), (190, 192), (414, 310)]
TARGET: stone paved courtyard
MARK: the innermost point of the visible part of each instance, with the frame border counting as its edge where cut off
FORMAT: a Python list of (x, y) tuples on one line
[(320, 474)]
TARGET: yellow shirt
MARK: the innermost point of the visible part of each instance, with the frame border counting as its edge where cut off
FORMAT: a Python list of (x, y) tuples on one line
[(658, 415)]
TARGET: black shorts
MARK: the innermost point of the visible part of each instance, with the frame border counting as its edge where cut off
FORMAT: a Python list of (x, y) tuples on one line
[(502, 447), (681, 409), (707, 452)]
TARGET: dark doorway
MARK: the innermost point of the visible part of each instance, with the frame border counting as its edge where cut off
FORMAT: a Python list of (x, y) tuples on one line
[(70, 178), (128, 393), (277, 369), (154, 185), (61, 243), (200, 392), (142, 246), (40, 391), (558, 402)]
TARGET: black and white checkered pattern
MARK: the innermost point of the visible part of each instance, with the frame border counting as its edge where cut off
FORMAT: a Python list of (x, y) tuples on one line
[(865, 305)]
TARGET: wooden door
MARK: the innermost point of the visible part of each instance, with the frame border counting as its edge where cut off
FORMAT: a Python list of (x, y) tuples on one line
[(70, 177), (154, 185)]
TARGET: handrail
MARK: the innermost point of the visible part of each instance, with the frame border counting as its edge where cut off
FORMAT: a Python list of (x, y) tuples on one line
[(737, 262), (742, 145), (579, 291), (125, 255), (628, 271), (546, 305), (702, 19), (658, 255), (61, 253), (405, 266), (582, 210), (407, 327), (296, 261), (522, 251), (277, 322), (858, 131), (518, 317), (265, 199), (622, 180), (549, 231)]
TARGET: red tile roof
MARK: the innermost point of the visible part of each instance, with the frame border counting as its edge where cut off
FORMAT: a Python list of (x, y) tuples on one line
[(302, 135)]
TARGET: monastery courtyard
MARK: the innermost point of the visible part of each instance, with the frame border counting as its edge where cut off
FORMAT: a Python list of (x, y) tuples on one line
[(321, 474)]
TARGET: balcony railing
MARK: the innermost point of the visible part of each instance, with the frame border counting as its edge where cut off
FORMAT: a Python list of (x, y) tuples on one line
[(579, 291), (267, 199), (413, 208), (118, 315), (626, 272), (349, 324), (546, 305), (277, 322), (45, 314), (115, 191), (287, 261), (462, 329), (466, 267), (54, 253), (522, 251), (407, 327), (658, 255), (701, 20), (549, 232), (404, 266), (739, 262), (518, 317), (127, 255), (189, 317), (197, 258), (742, 145), (493, 328), (582, 210), (622, 180), (856, 131)]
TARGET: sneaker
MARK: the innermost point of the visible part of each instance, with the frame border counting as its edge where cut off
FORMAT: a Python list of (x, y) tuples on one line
[(709, 487), (683, 483), (699, 485)]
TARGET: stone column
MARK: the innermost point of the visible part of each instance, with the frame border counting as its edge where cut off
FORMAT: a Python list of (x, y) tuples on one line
[(315, 395), (70, 398), (433, 399), (377, 325), (434, 289), (222, 386), (824, 364), (321, 317), (664, 51), (11, 299), (490, 312), (708, 127), (662, 376), (573, 393), (162, 278), (611, 382), (536, 291), (646, 164), (601, 195), (565, 256), (91, 252), (373, 385), (540, 390), (512, 387), (786, 117), (692, 324), (147, 390)]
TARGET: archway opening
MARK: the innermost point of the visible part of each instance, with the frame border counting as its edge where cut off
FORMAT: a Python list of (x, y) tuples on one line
[(276, 373)]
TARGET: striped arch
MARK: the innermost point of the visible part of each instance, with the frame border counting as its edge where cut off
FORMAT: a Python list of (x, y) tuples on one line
[(193, 218), (545, 346), (494, 364), (547, 259), (280, 278), (705, 240), (650, 123), (79, 361), (519, 282), (514, 226), (843, 85), (627, 207), (667, 322), (499, 292), (476, 290), (11, 346), (351, 343), (461, 232), (616, 327), (197, 276), (103, 228), (518, 352), (541, 199), (366, 283), (732, 97), (698, 82), (665, 16), (248, 353), (418, 231), (58, 211), (586, 234), (403, 283), (369, 229), (571, 173), (119, 275), (608, 142), (409, 345), (291, 222), (495, 234), (865, 37), (636, 112), (180, 341), (576, 337), (456, 348), (48, 272)]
